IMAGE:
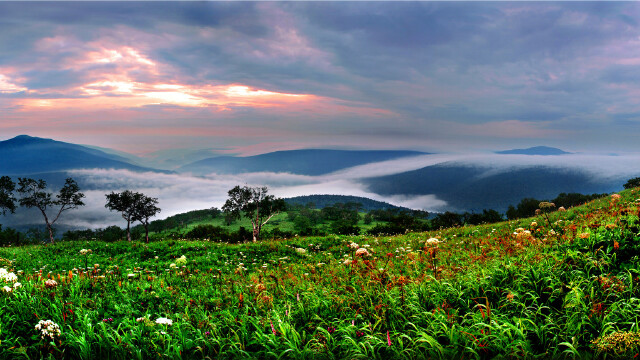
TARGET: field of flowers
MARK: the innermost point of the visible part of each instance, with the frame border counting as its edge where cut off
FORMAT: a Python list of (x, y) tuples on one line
[(565, 284)]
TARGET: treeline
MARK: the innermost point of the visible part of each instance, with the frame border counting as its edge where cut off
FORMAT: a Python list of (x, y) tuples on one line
[(527, 206)]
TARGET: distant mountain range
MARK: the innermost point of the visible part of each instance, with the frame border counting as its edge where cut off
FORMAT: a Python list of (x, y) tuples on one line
[(467, 187), (26, 155), (536, 150), (303, 162)]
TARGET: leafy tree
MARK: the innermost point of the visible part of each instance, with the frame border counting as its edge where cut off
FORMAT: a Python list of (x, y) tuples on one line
[(7, 200), (125, 203), (632, 183), (34, 194), (255, 204), (145, 209)]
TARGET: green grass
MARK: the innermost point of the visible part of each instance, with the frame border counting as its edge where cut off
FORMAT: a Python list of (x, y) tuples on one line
[(570, 289)]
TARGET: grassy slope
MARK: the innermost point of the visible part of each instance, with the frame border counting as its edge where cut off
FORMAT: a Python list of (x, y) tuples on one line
[(280, 221), (490, 294)]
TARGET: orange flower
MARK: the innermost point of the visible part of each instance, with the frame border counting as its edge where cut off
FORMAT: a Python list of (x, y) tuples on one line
[(616, 246)]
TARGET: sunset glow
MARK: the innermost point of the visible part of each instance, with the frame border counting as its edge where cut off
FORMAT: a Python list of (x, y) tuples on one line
[(425, 76)]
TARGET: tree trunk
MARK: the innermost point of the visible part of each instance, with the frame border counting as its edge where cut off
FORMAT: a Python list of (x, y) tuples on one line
[(146, 230), (50, 232), (128, 230)]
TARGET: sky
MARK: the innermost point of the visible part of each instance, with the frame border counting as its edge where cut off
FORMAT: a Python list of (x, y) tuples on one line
[(253, 77)]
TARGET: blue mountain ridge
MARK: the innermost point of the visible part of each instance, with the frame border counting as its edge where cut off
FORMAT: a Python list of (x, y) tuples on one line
[(25, 155), (304, 162)]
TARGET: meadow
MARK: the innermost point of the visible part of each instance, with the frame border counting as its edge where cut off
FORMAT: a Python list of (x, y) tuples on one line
[(563, 284)]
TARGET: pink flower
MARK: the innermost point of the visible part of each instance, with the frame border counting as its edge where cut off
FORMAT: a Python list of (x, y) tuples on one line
[(273, 329), (388, 338)]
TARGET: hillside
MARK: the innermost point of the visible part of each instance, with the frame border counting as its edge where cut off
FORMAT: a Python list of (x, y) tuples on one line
[(468, 187), (322, 201), (26, 155), (564, 284), (303, 162)]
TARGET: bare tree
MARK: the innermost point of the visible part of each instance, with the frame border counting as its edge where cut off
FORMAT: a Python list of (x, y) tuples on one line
[(255, 204), (34, 194)]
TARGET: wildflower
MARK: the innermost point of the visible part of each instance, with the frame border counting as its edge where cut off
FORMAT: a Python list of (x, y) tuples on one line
[(132, 275), (9, 277), (141, 319), (172, 265), (164, 321), (561, 208), (433, 241), (388, 339), (301, 251), (534, 224), (6, 289), (354, 246), (17, 285), (48, 329), (182, 260), (331, 329), (362, 252), (616, 245), (615, 197), (273, 329), (347, 262), (50, 283), (85, 251), (584, 235), (546, 205)]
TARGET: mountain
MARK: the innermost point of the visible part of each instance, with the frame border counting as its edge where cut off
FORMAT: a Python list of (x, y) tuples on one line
[(536, 150), (303, 162), (473, 187), (322, 201), (26, 155)]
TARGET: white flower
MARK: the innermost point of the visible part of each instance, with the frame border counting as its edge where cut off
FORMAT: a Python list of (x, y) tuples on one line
[(48, 328), (141, 319), (173, 266), (6, 289), (50, 283), (301, 251), (362, 252), (354, 245), (85, 251), (164, 321), (17, 285), (182, 260), (433, 241)]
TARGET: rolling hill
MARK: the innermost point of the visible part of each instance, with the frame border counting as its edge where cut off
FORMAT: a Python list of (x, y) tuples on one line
[(303, 162), (467, 187), (536, 150), (27, 155)]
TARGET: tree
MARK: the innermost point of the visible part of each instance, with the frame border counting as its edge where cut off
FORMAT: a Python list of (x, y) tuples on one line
[(125, 203), (632, 183), (7, 200), (255, 204), (144, 209), (34, 194)]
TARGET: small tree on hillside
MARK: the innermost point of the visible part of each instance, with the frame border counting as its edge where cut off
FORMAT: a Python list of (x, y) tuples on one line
[(145, 209), (125, 203), (7, 200), (34, 194), (632, 183), (255, 204)]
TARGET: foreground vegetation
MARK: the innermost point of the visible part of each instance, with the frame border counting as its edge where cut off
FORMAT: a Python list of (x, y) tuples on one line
[(564, 284)]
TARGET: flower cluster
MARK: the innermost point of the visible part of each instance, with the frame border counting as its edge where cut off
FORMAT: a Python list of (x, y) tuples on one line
[(49, 284), (164, 321), (362, 252), (433, 241), (301, 251), (354, 246), (48, 329), (182, 260), (521, 235), (85, 251), (7, 276)]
